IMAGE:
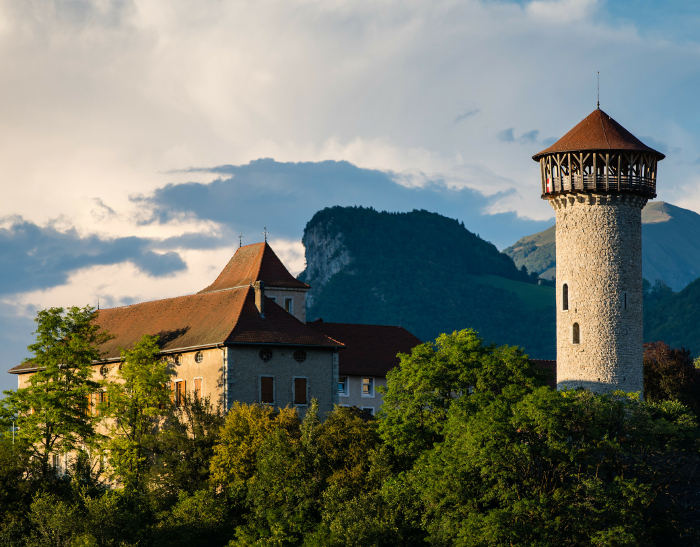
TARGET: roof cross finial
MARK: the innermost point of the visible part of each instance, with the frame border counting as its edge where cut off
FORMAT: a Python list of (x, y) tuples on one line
[(265, 232), (240, 240), (598, 90)]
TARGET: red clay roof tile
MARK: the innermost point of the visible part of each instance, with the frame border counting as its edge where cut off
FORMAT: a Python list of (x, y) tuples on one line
[(256, 262), (222, 317), (369, 349), (597, 131)]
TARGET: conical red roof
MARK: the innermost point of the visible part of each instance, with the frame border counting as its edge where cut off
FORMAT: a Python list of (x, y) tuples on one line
[(251, 263), (597, 131)]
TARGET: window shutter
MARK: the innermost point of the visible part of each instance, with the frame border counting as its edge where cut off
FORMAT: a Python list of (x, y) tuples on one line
[(198, 389), (172, 392), (267, 393), (183, 390), (300, 391)]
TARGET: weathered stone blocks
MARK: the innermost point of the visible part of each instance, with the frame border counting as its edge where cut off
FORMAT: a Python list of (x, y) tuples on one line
[(599, 258)]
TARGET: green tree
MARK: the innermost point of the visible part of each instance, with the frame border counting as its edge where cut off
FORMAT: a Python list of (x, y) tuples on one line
[(183, 448), (556, 468), (52, 412), (244, 431), (420, 392), (137, 397), (670, 375)]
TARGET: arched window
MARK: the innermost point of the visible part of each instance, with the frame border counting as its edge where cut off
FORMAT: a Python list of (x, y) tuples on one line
[(575, 335), (565, 297)]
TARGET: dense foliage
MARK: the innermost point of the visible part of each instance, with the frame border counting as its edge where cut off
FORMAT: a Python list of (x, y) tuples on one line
[(429, 274), (470, 449), (673, 317)]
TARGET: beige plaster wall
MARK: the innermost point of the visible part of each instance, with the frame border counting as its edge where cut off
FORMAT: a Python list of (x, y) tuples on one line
[(298, 295), (355, 398), (599, 257)]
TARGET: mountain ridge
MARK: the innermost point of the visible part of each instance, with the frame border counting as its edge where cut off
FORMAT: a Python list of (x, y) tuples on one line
[(670, 247), (425, 272)]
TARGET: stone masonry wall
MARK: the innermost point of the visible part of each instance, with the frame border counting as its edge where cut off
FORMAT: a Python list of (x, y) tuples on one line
[(599, 257), (320, 369)]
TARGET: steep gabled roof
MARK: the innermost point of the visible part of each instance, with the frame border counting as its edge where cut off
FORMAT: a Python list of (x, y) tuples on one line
[(197, 320), (256, 262), (369, 349), (597, 131)]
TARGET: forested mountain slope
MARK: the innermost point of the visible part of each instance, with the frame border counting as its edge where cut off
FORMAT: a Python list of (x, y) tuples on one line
[(425, 272), (673, 318), (670, 246)]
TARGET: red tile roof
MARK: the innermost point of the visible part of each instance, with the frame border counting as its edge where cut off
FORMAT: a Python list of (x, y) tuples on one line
[(369, 349), (256, 262), (597, 131), (222, 317)]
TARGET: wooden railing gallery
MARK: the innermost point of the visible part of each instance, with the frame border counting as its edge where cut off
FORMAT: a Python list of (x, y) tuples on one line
[(595, 171)]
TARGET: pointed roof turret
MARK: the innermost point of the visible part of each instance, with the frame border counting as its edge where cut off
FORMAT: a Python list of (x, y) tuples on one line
[(251, 263), (598, 131)]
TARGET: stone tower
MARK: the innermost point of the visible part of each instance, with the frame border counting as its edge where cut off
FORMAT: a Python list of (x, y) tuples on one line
[(598, 177)]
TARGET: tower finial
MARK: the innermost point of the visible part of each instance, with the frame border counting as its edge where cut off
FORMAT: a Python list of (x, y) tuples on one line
[(240, 240), (598, 90), (98, 301), (265, 232)]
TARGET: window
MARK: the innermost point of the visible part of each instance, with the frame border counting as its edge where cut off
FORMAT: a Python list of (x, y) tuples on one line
[(199, 357), (625, 301), (368, 387), (267, 390), (198, 389), (575, 334), (101, 399), (565, 297), (56, 461), (343, 386), (265, 354), (300, 391), (179, 392), (368, 409), (300, 356), (178, 359), (289, 305)]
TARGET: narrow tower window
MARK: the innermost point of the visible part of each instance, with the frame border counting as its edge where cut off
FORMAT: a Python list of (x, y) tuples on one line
[(565, 297), (575, 336), (625, 300)]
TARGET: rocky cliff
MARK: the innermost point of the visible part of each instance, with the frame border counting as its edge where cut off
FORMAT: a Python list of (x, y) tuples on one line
[(425, 272), (326, 255)]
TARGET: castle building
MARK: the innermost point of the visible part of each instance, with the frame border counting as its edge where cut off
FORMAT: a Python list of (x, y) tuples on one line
[(245, 338), (598, 177)]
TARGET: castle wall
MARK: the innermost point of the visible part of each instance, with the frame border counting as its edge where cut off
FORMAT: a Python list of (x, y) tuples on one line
[(320, 370), (599, 258)]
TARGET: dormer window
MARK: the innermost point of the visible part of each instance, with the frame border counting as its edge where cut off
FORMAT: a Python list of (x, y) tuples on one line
[(289, 305)]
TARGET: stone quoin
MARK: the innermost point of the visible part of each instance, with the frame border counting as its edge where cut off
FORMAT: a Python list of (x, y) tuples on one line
[(598, 178)]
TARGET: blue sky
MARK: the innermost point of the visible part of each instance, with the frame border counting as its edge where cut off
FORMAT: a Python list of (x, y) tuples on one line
[(140, 137)]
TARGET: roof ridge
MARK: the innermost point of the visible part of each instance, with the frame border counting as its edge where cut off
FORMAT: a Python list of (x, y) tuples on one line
[(173, 298), (602, 125)]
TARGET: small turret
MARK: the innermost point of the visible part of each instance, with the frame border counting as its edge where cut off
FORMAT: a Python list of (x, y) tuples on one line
[(598, 155)]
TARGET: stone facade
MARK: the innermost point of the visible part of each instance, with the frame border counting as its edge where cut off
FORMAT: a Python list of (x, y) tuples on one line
[(599, 260), (245, 369)]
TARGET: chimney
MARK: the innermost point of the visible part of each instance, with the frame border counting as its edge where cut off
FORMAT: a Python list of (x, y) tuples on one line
[(260, 297)]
